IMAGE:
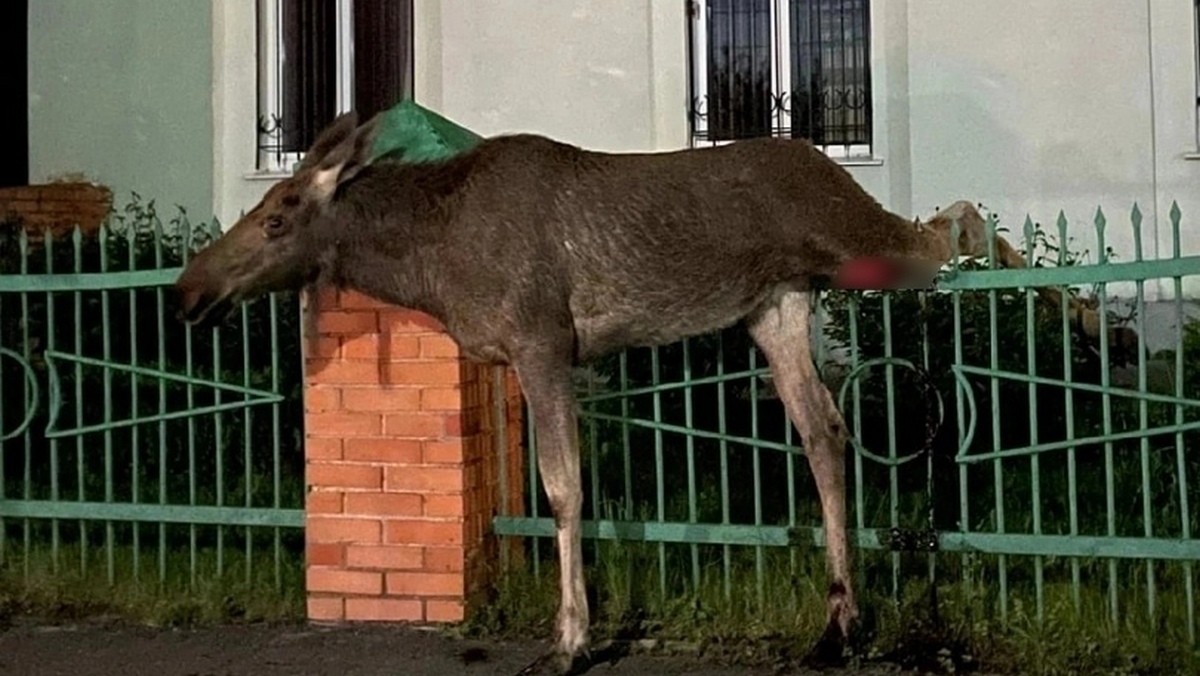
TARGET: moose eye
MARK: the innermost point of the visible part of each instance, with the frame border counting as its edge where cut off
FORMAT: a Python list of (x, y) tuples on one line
[(274, 226)]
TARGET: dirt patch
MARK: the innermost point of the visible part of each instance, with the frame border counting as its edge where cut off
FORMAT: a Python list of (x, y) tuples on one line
[(104, 648)]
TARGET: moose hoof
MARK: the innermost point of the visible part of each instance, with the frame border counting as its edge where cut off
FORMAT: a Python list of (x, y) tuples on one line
[(830, 649), (556, 663)]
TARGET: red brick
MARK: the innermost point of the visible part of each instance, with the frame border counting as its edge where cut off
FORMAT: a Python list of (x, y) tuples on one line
[(323, 347), (435, 533), (341, 423), (320, 399), (444, 559), (443, 505), (343, 581), (324, 554), (74, 191), (323, 502), (334, 322), (384, 610), (425, 584), (322, 448), (339, 529), (356, 300), (332, 475), (326, 609), (384, 347), (58, 207), (384, 505), (442, 399), (368, 449), (19, 206), (325, 299), (444, 452), (455, 426), (335, 372), (442, 610), (387, 558), (415, 425), (377, 399), (403, 320), (424, 372), (438, 346), (23, 192), (421, 479)]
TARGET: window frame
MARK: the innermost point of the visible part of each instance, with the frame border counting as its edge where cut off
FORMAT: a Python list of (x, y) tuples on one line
[(781, 76), (1196, 72), (270, 54)]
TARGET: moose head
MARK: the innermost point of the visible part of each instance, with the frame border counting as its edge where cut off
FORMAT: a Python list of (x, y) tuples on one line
[(281, 243)]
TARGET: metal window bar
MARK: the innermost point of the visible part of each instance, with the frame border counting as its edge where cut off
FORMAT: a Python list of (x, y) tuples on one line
[(797, 68), (310, 72)]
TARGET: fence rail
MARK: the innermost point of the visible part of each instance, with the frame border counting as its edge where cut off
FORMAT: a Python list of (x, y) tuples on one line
[(131, 444)]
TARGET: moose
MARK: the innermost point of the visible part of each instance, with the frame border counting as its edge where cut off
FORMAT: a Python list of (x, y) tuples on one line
[(542, 255)]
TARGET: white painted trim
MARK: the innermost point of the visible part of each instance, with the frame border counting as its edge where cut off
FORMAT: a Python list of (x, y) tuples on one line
[(427, 53), (235, 110), (891, 135), (781, 64), (669, 103), (345, 55), (1196, 68), (270, 65)]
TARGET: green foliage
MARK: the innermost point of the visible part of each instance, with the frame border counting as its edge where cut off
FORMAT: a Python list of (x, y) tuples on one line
[(193, 591)]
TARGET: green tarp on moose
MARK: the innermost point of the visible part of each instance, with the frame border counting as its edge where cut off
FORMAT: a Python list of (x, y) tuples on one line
[(410, 132)]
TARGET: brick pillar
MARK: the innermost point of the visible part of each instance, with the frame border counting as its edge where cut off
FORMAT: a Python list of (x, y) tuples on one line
[(401, 465)]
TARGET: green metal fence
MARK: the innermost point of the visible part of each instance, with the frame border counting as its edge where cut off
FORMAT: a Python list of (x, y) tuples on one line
[(132, 447), (1058, 476)]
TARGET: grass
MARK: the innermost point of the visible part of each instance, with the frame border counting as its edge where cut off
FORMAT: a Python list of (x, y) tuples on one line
[(31, 585), (725, 618)]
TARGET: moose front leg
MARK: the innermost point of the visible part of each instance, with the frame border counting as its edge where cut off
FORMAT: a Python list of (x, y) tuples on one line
[(780, 329), (546, 382)]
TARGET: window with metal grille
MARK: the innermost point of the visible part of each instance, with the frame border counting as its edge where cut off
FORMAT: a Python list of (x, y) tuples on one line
[(319, 58), (797, 68)]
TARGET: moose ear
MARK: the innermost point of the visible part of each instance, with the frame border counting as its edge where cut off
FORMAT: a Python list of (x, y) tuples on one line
[(342, 151), (335, 134)]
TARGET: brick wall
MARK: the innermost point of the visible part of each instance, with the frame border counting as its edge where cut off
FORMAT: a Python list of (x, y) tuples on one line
[(402, 465), (56, 207)]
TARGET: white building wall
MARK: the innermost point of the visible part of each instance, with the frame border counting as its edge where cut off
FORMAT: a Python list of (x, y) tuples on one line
[(604, 75)]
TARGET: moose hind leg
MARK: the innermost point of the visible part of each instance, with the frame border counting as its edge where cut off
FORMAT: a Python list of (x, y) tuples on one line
[(780, 328), (547, 387)]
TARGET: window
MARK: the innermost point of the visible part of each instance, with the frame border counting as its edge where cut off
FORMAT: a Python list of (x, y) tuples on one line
[(319, 58), (798, 68)]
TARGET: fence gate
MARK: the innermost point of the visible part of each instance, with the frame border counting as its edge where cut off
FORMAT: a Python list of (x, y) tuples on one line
[(1088, 444), (133, 448)]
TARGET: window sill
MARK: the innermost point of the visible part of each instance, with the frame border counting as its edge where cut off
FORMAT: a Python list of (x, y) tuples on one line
[(869, 161), (267, 175), (1193, 155)]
